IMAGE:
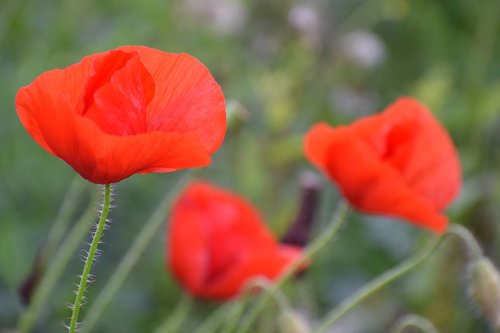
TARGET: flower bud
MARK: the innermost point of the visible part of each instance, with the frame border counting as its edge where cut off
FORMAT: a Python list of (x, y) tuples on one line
[(298, 233), (293, 322), (484, 289)]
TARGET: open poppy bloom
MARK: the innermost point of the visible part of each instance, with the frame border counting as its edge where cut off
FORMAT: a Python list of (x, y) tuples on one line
[(217, 242), (125, 111), (400, 163)]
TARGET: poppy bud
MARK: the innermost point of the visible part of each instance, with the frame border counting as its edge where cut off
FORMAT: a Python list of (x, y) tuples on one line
[(293, 322), (298, 233), (237, 115), (484, 289)]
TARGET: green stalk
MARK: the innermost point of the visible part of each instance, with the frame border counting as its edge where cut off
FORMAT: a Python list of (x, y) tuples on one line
[(141, 242), (177, 317), (378, 283), (84, 278), (55, 269), (68, 206), (319, 243)]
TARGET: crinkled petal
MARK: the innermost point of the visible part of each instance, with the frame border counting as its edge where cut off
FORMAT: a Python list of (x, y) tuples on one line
[(265, 263), (93, 115), (187, 253), (374, 186), (187, 98), (118, 105), (102, 158), (408, 137), (217, 241)]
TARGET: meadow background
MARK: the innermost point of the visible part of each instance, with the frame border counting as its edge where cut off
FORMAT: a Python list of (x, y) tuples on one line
[(283, 65)]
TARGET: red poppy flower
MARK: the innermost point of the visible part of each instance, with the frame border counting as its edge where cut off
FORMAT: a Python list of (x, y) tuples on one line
[(217, 241), (400, 163), (129, 110)]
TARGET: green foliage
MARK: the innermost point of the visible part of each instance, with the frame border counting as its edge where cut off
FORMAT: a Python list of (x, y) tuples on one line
[(287, 68)]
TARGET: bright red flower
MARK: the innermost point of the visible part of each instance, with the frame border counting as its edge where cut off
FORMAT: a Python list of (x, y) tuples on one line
[(129, 110), (217, 242), (400, 163)]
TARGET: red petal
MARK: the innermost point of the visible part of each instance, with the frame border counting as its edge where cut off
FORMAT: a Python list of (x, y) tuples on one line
[(118, 104), (229, 244), (408, 137), (400, 162), (267, 263), (51, 106), (187, 98), (187, 247), (376, 187), (317, 144), (103, 158)]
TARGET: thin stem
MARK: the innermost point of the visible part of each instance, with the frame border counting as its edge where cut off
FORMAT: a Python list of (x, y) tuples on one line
[(267, 286), (473, 248), (212, 322), (259, 282), (84, 278), (68, 206), (141, 242), (55, 269), (418, 322), (376, 284), (319, 243), (177, 317)]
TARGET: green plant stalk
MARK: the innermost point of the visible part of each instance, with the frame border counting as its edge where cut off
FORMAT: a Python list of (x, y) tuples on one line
[(177, 317), (376, 284), (143, 239), (212, 322), (82, 286), (68, 206), (55, 269), (262, 283), (420, 323), (319, 243), (473, 248)]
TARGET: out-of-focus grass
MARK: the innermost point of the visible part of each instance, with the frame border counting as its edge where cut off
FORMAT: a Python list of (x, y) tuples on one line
[(289, 64)]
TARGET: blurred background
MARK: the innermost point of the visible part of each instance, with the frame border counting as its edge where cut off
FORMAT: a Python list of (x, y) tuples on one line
[(283, 65)]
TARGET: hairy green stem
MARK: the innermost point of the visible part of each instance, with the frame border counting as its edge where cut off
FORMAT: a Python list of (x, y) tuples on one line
[(319, 243), (473, 248), (84, 278), (141, 242), (55, 269)]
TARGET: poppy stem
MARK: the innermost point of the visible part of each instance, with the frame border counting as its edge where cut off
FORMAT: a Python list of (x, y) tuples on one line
[(214, 320), (141, 242), (378, 283), (267, 286), (420, 323), (84, 278), (178, 315), (320, 242), (55, 269), (473, 248), (68, 207)]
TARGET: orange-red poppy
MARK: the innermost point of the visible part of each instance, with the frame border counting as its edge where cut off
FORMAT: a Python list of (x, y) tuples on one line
[(125, 111), (217, 242), (400, 163)]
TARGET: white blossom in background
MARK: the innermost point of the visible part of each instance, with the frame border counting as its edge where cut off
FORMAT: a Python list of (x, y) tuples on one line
[(355, 102), (306, 19), (363, 47), (226, 17)]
